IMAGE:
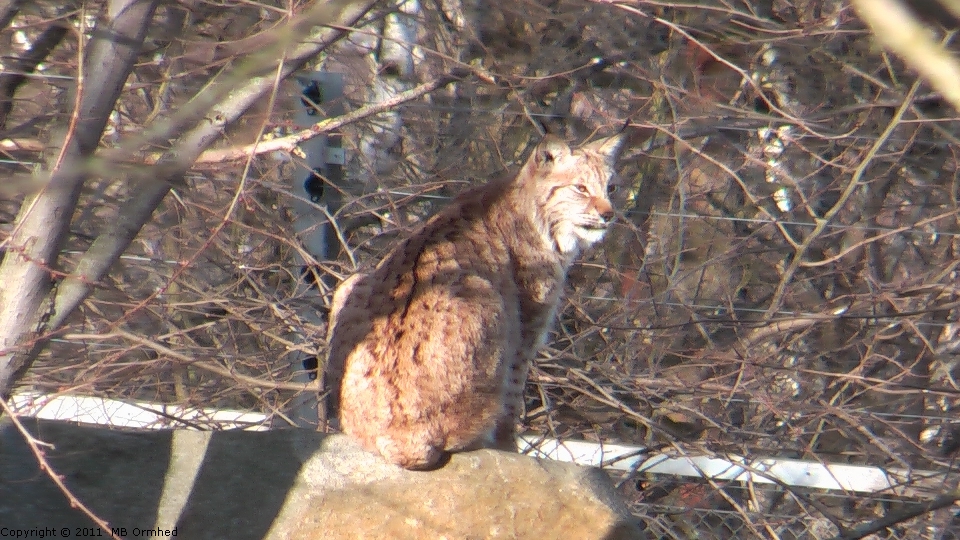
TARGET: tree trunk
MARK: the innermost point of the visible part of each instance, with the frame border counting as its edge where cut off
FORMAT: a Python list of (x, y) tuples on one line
[(29, 268), (30, 308)]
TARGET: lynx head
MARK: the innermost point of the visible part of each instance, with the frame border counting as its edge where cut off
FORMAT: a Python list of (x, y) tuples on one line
[(570, 187)]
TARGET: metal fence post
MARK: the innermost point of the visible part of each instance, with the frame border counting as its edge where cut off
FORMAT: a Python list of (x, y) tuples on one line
[(315, 196)]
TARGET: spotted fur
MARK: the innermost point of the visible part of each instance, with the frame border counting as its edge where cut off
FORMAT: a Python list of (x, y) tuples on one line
[(430, 351)]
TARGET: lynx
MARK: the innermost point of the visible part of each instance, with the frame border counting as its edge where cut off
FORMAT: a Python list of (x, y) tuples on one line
[(429, 352)]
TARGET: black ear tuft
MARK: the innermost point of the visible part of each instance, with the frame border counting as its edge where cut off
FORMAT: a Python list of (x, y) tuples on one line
[(608, 148)]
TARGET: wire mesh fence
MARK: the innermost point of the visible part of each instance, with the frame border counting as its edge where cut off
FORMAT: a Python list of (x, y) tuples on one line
[(781, 281), (695, 515)]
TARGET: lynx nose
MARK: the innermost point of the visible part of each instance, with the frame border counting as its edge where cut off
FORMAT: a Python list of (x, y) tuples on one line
[(605, 209)]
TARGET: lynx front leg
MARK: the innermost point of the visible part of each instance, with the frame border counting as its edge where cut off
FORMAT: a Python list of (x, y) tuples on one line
[(505, 432)]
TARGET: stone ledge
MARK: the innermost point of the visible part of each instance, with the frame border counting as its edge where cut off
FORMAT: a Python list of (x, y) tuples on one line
[(294, 484)]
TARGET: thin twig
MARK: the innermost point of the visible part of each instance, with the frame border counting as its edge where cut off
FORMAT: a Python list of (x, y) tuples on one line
[(856, 180), (207, 366), (943, 501), (45, 466), (897, 29), (290, 142)]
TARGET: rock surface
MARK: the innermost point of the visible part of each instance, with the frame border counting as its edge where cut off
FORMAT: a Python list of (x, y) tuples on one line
[(291, 484)]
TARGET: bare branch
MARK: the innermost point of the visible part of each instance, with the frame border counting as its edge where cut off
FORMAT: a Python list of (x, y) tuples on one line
[(14, 75), (8, 10), (290, 142), (207, 366), (45, 466), (895, 518), (34, 246), (897, 29), (855, 181), (154, 185)]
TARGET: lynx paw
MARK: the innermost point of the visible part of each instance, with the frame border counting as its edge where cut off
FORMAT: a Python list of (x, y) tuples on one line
[(410, 455)]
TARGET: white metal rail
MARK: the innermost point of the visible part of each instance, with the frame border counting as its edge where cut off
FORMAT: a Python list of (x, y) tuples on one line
[(764, 470)]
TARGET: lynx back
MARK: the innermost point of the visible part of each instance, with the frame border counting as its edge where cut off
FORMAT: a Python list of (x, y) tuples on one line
[(429, 351)]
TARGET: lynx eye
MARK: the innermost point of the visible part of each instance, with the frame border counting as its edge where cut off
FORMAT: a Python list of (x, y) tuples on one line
[(580, 188)]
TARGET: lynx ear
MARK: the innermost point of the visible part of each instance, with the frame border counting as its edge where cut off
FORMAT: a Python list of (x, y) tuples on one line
[(608, 148), (550, 150)]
